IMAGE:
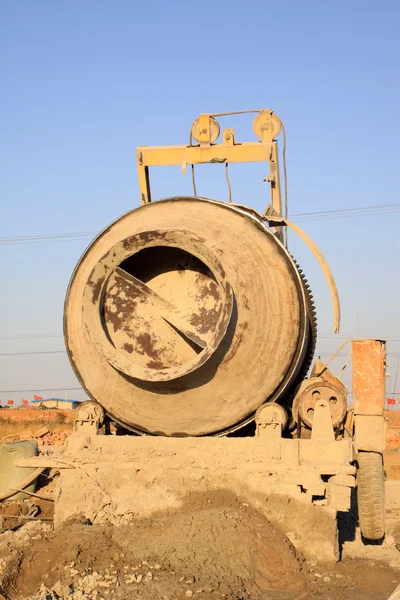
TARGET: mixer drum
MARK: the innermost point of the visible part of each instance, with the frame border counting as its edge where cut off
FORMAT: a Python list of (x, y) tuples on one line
[(184, 316)]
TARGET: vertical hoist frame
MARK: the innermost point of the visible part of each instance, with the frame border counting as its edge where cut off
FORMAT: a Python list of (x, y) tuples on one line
[(205, 130)]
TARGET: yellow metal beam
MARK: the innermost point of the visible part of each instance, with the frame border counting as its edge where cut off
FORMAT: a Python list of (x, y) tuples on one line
[(152, 156), (206, 131)]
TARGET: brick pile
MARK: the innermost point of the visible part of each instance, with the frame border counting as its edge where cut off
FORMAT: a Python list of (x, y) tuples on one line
[(44, 437)]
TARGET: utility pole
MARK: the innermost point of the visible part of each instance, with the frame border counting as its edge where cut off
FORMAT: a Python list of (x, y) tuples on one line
[(358, 324), (395, 378)]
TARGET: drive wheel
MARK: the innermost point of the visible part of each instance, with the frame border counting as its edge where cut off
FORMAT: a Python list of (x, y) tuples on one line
[(371, 495)]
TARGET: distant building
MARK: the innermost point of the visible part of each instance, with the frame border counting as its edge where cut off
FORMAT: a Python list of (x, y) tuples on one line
[(56, 403)]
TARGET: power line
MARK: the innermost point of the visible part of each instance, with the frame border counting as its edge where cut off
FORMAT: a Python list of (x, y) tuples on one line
[(37, 389), (310, 216), (334, 217), (344, 212), (31, 353), (46, 238), (31, 337)]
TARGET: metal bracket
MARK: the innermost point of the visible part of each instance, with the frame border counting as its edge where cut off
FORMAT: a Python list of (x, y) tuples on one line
[(89, 418), (322, 428), (205, 130), (228, 136), (271, 419)]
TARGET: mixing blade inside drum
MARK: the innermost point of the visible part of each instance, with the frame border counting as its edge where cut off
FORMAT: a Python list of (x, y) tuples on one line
[(160, 306), (156, 310)]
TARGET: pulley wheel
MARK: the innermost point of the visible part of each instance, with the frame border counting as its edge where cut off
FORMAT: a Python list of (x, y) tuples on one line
[(305, 402), (205, 134), (267, 124)]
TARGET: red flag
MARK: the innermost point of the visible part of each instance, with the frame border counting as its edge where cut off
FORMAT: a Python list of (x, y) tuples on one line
[(10, 401), (390, 400), (25, 402), (37, 397)]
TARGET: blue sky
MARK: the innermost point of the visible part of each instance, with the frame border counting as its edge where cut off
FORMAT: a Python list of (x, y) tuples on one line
[(84, 83)]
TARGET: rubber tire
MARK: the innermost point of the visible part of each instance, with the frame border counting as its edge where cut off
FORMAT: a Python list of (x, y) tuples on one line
[(371, 495)]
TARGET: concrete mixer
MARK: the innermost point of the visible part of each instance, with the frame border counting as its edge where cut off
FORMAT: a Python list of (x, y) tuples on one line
[(193, 329), (194, 313)]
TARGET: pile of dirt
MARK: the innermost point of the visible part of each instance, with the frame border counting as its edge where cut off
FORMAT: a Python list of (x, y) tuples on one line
[(212, 547), (12, 546), (213, 544)]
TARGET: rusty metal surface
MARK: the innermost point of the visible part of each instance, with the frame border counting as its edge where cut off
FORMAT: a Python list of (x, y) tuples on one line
[(369, 363), (369, 357), (245, 346)]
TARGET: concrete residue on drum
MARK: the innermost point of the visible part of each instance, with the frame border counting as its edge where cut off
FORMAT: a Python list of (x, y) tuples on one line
[(171, 300), (96, 287)]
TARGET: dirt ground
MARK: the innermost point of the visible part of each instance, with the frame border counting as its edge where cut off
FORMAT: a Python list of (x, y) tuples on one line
[(392, 454), (215, 546), (32, 416)]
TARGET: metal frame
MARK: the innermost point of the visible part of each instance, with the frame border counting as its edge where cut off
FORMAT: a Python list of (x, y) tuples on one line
[(205, 130)]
